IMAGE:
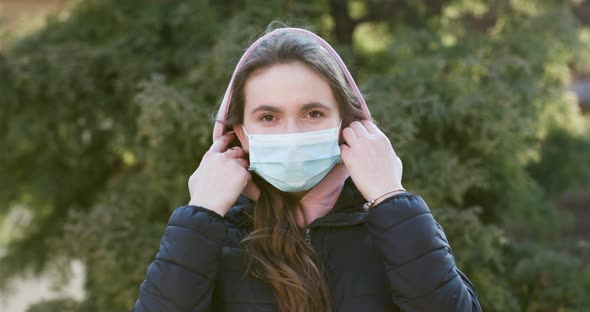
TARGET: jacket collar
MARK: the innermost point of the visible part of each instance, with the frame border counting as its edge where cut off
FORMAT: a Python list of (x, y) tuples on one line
[(347, 210)]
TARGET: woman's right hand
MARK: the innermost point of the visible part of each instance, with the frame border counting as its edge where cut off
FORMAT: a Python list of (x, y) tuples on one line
[(220, 178)]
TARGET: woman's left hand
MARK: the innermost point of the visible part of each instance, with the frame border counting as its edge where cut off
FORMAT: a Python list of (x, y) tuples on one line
[(370, 159)]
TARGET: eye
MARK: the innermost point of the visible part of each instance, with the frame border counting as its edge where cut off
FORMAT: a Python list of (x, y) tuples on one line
[(315, 114), (267, 118)]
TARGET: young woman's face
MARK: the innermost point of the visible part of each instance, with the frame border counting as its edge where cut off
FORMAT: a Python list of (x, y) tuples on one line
[(287, 98)]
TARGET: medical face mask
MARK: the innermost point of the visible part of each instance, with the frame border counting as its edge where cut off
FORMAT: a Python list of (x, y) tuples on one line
[(294, 162)]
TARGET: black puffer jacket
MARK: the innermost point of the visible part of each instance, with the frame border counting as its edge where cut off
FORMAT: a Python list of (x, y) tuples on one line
[(394, 258)]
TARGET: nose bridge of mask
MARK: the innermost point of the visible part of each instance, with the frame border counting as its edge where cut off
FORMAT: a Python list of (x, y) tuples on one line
[(290, 148)]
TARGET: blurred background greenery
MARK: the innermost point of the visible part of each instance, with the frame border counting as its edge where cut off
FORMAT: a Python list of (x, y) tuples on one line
[(105, 111)]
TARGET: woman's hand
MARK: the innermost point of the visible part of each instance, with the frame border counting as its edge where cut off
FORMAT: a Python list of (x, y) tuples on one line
[(220, 178), (370, 159)]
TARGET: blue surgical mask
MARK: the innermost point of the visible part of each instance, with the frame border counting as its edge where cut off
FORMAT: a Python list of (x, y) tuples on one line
[(294, 162)]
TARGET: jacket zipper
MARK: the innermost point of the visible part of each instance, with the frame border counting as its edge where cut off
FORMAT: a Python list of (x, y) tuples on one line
[(308, 235)]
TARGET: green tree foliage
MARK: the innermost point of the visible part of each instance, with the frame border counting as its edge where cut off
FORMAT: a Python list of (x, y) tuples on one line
[(106, 113)]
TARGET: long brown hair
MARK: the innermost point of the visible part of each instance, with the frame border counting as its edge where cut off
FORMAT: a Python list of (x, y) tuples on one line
[(276, 249)]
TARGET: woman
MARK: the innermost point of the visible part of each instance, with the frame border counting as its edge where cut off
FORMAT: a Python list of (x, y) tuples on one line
[(290, 213)]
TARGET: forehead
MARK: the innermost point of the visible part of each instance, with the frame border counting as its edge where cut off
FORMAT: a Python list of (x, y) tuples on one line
[(287, 86)]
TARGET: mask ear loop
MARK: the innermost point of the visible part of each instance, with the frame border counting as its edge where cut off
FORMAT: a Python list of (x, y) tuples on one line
[(244, 129), (340, 132)]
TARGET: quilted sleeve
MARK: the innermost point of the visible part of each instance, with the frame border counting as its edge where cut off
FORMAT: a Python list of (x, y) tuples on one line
[(182, 276), (418, 259)]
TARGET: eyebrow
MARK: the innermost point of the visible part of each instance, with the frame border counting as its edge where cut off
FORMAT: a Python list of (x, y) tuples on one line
[(266, 108), (304, 107), (316, 105)]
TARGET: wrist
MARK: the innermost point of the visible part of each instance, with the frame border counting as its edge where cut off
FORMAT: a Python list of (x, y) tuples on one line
[(383, 196), (215, 207), (388, 196)]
